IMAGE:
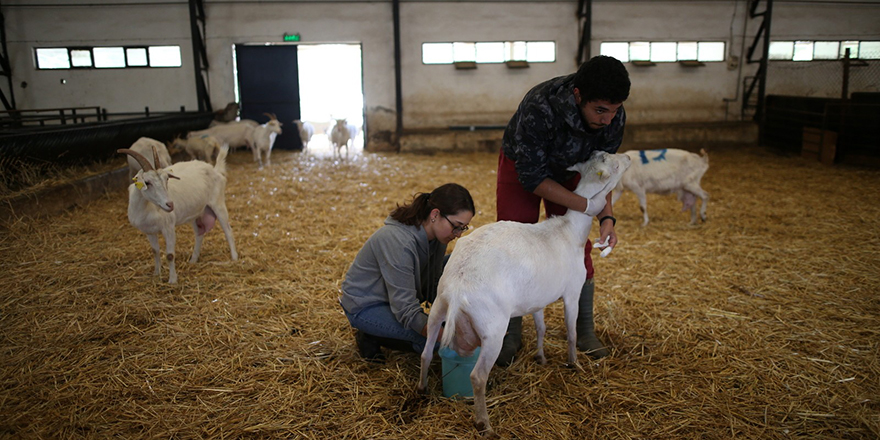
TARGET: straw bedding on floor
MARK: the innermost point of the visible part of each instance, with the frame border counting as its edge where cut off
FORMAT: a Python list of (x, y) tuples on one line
[(761, 323)]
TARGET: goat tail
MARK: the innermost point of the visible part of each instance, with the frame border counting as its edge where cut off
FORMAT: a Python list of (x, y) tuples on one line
[(704, 154), (448, 338), (220, 166)]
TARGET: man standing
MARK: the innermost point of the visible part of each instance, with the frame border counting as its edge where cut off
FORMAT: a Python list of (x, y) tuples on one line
[(559, 123)]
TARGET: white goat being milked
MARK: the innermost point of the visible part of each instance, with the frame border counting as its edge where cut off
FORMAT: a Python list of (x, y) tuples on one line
[(666, 171), (144, 146), (342, 135), (195, 194), (264, 138), (508, 269)]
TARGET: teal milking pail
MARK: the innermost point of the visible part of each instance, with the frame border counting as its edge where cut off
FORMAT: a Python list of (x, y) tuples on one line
[(457, 372)]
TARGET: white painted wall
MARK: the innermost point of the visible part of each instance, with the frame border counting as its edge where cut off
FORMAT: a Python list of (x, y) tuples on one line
[(440, 95), (117, 90), (433, 96)]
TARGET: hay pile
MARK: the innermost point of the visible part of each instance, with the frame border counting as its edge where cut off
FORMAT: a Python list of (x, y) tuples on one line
[(762, 323)]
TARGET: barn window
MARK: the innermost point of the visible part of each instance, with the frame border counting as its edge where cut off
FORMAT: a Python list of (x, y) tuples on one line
[(823, 50), (781, 50), (136, 56), (803, 51), (52, 58), (826, 50), (853, 47), (485, 52), (165, 56), (515, 50), (490, 52), (540, 51), (464, 52), (663, 52), (109, 57), (437, 53), (640, 51), (106, 57), (81, 57), (649, 52), (687, 51), (616, 50), (869, 50), (710, 51)]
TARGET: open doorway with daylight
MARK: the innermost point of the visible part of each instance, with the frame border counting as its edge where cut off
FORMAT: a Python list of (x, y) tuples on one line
[(324, 85)]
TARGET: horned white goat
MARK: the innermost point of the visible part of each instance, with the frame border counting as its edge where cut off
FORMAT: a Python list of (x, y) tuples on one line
[(508, 269), (666, 171), (235, 134), (264, 138), (144, 146), (195, 195), (342, 135), (204, 147), (306, 131)]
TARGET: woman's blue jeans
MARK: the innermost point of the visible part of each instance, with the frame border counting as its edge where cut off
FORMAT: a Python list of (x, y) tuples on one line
[(378, 320)]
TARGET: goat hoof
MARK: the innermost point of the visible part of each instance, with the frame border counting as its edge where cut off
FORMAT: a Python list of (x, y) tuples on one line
[(485, 430)]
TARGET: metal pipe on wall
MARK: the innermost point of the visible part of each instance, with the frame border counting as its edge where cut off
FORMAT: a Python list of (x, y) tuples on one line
[(398, 89)]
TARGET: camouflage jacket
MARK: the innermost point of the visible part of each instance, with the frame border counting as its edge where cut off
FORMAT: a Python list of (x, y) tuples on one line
[(547, 134)]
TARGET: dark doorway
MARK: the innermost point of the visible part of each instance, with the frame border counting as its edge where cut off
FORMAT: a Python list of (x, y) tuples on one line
[(268, 82)]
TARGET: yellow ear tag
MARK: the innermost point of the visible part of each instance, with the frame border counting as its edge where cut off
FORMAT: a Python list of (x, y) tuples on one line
[(139, 185), (599, 174), (134, 179)]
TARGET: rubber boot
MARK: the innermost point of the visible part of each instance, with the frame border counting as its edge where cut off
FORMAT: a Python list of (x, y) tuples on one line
[(586, 334), (512, 342), (369, 348), (396, 344)]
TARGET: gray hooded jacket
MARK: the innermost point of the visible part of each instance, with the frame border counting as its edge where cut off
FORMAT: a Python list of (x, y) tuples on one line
[(397, 266)]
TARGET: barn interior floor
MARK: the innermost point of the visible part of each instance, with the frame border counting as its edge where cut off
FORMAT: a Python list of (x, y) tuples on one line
[(761, 323)]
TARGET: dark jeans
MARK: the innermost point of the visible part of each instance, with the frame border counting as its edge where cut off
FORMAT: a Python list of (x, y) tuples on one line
[(378, 320)]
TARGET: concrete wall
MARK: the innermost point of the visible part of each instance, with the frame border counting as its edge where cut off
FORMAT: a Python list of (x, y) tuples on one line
[(117, 90), (434, 96)]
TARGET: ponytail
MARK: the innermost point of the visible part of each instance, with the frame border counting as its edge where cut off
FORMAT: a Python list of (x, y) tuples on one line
[(450, 199)]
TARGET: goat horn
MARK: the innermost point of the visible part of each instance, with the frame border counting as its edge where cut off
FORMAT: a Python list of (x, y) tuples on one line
[(156, 157), (145, 164), (271, 116)]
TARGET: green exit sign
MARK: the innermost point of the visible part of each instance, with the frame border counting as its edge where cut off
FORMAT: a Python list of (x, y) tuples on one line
[(291, 37)]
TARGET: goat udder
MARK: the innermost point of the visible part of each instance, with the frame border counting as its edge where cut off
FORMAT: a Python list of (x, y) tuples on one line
[(688, 199), (206, 222)]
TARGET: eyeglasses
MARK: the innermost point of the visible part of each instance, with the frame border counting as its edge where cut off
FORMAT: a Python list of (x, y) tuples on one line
[(456, 229)]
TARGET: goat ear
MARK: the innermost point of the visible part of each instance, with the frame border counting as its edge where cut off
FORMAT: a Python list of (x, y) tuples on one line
[(172, 176)]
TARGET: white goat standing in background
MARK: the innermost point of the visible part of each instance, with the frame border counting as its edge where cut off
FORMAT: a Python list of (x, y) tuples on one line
[(342, 135), (145, 146), (196, 195), (202, 147), (666, 171), (508, 269), (306, 131), (263, 139), (235, 134)]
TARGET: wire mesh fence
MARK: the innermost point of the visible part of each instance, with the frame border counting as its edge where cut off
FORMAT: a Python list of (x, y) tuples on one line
[(824, 79)]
